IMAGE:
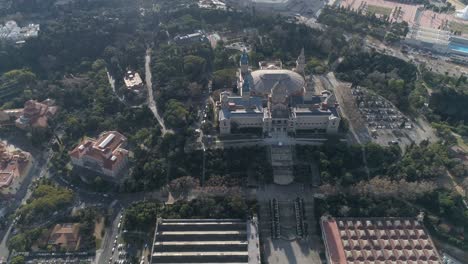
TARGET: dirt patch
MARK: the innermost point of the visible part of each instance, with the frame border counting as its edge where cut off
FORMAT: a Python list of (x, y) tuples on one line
[(98, 227)]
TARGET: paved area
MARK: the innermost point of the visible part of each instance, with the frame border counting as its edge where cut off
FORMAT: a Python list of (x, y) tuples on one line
[(149, 84), (297, 251), (289, 249)]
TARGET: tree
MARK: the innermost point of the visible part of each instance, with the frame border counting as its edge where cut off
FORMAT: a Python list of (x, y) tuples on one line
[(175, 114), (182, 186), (224, 78), (19, 259), (18, 243), (194, 67)]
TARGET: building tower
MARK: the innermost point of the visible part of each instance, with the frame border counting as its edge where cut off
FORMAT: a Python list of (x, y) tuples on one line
[(300, 63), (244, 62)]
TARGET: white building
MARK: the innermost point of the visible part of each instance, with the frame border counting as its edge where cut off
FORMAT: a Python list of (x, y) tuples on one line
[(133, 81), (463, 14), (275, 100), (12, 32)]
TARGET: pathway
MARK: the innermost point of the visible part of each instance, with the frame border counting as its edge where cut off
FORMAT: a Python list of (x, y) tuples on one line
[(112, 84), (151, 103)]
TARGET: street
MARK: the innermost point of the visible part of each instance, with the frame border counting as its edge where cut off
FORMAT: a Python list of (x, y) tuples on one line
[(38, 171)]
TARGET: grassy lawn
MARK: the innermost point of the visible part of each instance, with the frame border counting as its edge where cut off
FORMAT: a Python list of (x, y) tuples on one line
[(455, 26), (98, 243), (379, 10)]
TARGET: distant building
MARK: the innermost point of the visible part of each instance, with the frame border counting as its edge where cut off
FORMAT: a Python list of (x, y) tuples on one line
[(133, 81), (12, 32), (206, 241), (12, 165), (427, 38), (265, 5), (104, 155), (462, 14), (377, 240), (212, 4), (8, 116), (36, 115), (198, 36), (274, 100), (65, 236)]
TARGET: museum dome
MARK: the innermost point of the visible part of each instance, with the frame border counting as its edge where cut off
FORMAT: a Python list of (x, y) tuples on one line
[(263, 81)]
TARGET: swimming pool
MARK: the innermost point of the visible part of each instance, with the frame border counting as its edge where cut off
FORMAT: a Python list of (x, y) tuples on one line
[(459, 47)]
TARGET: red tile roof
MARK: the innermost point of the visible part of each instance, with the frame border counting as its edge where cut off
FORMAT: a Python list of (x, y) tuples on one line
[(65, 235), (378, 240), (12, 165), (107, 149)]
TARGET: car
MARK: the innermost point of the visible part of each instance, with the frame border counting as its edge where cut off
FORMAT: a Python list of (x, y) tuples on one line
[(113, 249)]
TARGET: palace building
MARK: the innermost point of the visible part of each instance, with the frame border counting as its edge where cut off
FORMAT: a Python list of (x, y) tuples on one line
[(276, 100)]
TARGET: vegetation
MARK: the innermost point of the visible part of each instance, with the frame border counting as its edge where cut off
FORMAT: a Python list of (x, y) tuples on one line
[(142, 216), (338, 163), (389, 76), (19, 259), (45, 200), (447, 102), (364, 24), (24, 240)]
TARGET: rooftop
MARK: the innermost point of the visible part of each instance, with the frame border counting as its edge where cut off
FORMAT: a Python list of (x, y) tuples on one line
[(133, 80), (377, 240), (263, 81), (204, 241), (107, 150)]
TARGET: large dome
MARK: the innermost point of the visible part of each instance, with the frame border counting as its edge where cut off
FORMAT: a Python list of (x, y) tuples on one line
[(264, 80)]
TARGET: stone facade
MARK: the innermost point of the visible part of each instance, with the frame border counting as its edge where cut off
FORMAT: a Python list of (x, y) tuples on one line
[(274, 99)]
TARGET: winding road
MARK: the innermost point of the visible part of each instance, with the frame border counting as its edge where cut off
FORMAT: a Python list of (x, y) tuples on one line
[(151, 103)]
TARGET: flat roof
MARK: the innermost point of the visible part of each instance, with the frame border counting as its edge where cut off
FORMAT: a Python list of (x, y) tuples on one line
[(195, 253), (170, 243), (202, 223), (165, 233)]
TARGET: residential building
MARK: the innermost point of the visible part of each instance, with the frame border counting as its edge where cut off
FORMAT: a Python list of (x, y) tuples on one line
[(65, 236), (36, 115), (206, 241), (133, 81), (378, 240), (104, 154), (13, 164), (275, 100)]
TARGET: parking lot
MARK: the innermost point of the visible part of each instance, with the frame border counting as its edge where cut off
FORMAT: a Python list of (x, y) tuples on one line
[(385, 123)]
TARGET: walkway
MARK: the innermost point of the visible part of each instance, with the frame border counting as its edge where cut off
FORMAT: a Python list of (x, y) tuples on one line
[(151, 103), (112, 84)]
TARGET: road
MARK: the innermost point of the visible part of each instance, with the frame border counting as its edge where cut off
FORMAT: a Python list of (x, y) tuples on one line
[(149, 84), (39, 168), (105, 253)]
